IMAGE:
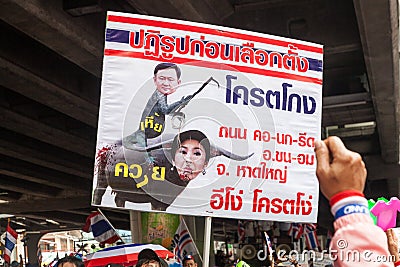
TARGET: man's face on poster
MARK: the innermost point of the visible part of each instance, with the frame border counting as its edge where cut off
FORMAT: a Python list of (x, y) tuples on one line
[(166, 81)]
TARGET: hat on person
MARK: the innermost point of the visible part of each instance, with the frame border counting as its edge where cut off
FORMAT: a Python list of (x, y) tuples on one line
[(148, 254), (187, 258)]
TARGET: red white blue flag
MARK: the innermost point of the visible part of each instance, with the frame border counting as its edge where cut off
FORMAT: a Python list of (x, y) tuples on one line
[(241, 231), (310, 234), (296, 230), (268, 241), (53, 263), (11, 240), (183, 242), (39, 254), (308, 231), (102, 230)]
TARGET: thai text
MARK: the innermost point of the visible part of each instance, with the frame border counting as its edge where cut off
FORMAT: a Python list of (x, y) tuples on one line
[(135, 171), (149, 123), (302, 140), (284, 139), (259, 97), (300, 205), (224, 198), (161, 46), (262, 172)]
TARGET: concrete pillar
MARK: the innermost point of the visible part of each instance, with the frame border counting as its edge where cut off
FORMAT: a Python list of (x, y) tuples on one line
[(32, 247), (136, 226), (196, 227)]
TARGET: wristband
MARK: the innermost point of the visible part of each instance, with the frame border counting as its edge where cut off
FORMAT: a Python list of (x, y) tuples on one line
[(355, 200), (397, 263), (344, 194), (351, 208)]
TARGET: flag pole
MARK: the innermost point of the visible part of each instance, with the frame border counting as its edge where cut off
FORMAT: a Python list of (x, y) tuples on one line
[(8, 225), (207, 241), (111, 225), (190, 235)]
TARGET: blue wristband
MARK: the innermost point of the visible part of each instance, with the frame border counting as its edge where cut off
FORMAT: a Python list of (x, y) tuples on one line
[(351, 208)]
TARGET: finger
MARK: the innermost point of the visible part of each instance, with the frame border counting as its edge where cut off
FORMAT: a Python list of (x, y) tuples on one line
[(336, 146), (322, 154), (389, 232), (393, 235)]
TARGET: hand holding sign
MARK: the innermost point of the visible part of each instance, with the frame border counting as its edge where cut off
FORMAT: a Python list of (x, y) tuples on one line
[(338, 169)]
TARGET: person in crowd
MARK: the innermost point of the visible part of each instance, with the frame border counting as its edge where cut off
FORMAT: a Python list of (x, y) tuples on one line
[(148, 258), (167, 78), (189, 261), (294, 262), (275, 261), (242, 263), (342, 174), (70, 261), (220, 258)]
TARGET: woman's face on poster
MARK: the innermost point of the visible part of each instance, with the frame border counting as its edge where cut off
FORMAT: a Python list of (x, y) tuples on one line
[(190, 159)]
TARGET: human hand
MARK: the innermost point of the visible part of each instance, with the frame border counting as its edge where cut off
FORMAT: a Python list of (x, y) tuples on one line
[(338, 169), (393, 243)]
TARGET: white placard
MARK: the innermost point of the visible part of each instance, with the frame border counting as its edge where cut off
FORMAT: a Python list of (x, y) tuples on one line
[(257, 98)]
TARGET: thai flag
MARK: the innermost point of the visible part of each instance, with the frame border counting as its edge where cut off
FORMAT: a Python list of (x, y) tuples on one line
[(39, 254), (310, 233), (11, 240), (102, 230), (241, 231), (269, 244), (296, 230), (53, 263), (184, 244)]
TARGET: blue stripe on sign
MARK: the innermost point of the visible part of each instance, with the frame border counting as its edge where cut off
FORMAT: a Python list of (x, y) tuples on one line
[(100, 228), (314, 64), (117, 36)]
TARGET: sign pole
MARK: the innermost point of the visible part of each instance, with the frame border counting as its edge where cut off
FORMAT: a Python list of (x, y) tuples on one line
[(207, 240)]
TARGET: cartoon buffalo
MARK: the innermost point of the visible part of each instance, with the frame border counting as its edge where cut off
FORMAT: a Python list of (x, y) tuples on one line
[(155, 174)]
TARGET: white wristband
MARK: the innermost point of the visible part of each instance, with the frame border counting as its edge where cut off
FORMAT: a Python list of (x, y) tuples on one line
[(348, 200)]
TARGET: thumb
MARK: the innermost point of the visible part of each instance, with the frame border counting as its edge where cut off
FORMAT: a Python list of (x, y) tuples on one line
[(322, 154)]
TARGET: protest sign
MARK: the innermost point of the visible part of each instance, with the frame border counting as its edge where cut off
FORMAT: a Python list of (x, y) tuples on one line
[(229, 132)]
